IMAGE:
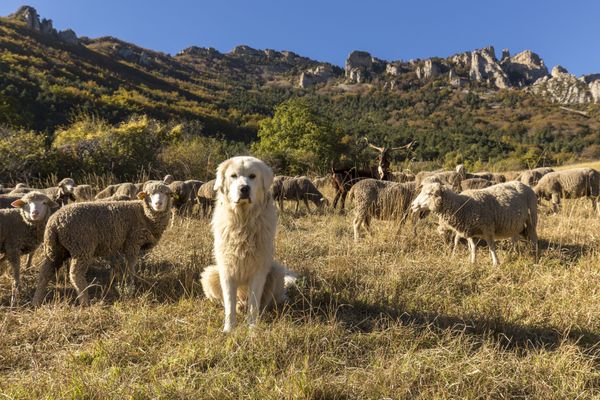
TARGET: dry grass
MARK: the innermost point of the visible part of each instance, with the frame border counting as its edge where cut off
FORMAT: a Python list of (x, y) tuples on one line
[(394, 317)]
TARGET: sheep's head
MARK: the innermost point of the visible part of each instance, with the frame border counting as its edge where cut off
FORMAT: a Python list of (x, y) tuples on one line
[(168, 179), (157, 196), (243, 180), (35, 206), (430, 197), (66, 185)]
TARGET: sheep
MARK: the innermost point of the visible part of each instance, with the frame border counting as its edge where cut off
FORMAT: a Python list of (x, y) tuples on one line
[(82, 231), (383, 200), (6, 200), (61, 193), (505, 210), (474, 183), (206, 196), (570, 184), (300, 188), (83, 193), (185, 194), (22, 230), (450, 178), (532, 176)]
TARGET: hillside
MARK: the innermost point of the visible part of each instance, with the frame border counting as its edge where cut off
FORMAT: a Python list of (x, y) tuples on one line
[(470, 106)]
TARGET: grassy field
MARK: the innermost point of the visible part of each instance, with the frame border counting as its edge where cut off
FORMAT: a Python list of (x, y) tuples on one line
[(391, 317)]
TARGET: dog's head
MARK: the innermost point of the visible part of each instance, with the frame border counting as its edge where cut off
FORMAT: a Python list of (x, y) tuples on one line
[(244, 180)]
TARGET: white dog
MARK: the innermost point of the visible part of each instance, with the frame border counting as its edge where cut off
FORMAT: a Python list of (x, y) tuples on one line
[(243, 226)]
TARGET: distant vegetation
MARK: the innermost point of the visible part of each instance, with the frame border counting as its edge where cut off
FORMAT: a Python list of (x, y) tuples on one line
[(84, 109)]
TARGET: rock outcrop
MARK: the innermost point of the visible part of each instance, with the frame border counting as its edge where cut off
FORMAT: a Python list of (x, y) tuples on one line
[(315, 76), (485, 68), (358, 66), (524, 68), (30, 16), (563, 87), (429, 70)]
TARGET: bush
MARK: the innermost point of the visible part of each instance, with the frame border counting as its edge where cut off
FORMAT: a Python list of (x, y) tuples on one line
[(24, 155)]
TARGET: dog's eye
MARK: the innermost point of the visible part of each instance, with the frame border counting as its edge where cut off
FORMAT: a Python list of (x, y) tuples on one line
[(234, 176), (252, 176)]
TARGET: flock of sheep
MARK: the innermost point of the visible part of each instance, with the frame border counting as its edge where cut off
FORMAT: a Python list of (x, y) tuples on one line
[(128, 219)]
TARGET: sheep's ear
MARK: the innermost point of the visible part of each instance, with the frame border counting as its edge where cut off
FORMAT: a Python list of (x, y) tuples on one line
[(17, 203), (220, 178), (141, 195), (53, 204)]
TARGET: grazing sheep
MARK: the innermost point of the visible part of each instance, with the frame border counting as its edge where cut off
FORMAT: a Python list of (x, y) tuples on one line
[(61, 193), (532, 176), (185, 193), (450, 178), (383, 200), (83, 193), (300, 188), (474, 183), (22, 230), (570, 184), (107, 191), (206, 197), (82, 231), (502, 211)]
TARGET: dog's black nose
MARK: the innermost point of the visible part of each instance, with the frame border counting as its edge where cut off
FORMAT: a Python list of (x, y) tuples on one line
[(245, 190)]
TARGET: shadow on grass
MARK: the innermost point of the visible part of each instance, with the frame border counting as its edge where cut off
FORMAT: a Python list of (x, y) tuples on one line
[(357, 315)]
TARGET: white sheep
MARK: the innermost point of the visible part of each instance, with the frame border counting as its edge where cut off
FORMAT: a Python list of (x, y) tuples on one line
[(570, 184), (502, 211), (383, 200), (83, 231), (297, 189), (22, 230)]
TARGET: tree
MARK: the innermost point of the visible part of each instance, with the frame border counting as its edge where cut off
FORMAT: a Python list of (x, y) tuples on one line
[(297, 139)]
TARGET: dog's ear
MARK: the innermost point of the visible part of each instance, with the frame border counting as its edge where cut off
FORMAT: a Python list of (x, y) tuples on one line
[(267, 177), (220, 178)]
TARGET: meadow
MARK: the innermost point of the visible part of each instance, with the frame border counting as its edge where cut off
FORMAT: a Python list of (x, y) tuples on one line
[(390, 317)]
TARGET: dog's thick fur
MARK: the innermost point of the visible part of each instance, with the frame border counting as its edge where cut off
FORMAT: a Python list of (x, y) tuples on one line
[(244, 231)]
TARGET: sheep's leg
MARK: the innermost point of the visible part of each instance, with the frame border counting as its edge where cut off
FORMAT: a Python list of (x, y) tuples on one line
[(297, 206), (255, 291), (15, 260), (47, 268), (77, 272), (532, 235), (555, 203), (229, 289), (367, 224), (358, 220), (595, 205), (472, 248), (492, 245), (456, 241)]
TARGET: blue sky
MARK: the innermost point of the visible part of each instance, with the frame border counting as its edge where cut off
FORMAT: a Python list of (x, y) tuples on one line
[(566, 33)]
